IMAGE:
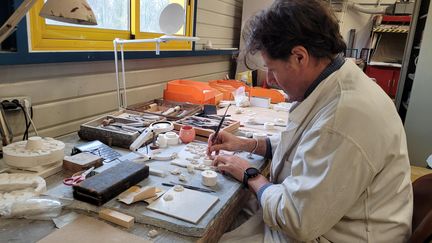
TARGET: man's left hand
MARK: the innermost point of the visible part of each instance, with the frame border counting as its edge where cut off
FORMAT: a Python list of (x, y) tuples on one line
[(233, 165)]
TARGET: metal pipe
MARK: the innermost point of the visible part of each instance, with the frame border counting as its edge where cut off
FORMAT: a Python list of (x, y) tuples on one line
[(358, 7)]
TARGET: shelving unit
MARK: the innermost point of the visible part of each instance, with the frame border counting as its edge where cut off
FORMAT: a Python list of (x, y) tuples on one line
[(414, 96), (412, 52), (387, 44)]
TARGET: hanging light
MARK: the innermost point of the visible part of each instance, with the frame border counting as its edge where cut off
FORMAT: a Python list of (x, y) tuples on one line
[(69, 11)]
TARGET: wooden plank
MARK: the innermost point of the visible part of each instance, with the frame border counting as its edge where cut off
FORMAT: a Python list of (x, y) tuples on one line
[(218, 32), (417, 172), (62, 88), (212, 18), (220, 7), (25, 73), (68, 110), (117, 218), (233, 2)]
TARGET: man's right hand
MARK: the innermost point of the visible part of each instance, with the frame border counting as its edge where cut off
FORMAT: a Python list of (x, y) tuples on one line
[(225, 141)]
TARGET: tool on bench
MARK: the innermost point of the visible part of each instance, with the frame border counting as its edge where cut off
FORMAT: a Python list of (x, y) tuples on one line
[(75, 180), (154, 129), (187, 186)]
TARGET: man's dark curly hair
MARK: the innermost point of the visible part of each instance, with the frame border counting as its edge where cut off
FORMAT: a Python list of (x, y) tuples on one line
[(289, 23)]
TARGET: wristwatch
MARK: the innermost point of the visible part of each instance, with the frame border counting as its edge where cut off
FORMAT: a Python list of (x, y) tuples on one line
[(249, 173)]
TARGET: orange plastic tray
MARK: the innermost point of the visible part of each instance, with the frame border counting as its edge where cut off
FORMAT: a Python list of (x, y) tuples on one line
[(192, 91), (225, 89), (273, 94)]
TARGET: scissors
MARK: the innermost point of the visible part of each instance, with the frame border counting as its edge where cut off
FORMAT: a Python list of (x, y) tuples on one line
[(74, 180)]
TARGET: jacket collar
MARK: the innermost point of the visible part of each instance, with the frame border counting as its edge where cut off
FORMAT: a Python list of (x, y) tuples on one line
[(299, 110)]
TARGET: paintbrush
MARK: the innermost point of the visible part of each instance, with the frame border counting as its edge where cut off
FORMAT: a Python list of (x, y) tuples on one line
[(220, 125)]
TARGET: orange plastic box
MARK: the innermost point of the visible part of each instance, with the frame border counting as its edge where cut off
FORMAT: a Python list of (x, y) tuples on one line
[(192, 91), (225, 89), (273, 94), (233, 83)]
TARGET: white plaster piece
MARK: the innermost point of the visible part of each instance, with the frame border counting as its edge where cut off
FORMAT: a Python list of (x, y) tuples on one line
[(35, 152), (178, 188), (194, 162), (207, 162), (202, 167), (168, 197), (269, 126), (153, 233), (279, 121), (190, 168), (156, 172), (182, 178), (13, 182), (209, 178), (172, 138), (259, 135), (162, 141), (18, 188), (175, 171)]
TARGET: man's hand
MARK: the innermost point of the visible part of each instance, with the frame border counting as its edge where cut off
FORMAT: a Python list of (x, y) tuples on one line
[(233, 165), (229, 142)]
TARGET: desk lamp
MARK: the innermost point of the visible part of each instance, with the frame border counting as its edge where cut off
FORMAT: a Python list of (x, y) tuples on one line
[(69, 11), (171, 20)]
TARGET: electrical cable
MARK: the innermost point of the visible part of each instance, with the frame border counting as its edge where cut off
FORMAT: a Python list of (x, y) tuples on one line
[(32, 123), (25, 135)]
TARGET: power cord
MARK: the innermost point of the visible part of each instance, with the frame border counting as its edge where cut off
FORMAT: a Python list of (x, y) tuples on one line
[(30, 117), (26, 109)]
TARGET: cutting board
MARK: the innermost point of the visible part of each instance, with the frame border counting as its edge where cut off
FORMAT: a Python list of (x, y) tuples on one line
[(187, 205), (89, 230)]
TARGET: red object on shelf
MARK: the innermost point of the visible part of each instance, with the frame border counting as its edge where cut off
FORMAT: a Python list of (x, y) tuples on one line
[(387, 78), (396, 18), (192, 91)]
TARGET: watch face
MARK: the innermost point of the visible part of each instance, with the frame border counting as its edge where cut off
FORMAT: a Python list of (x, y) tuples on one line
[(252, 172)]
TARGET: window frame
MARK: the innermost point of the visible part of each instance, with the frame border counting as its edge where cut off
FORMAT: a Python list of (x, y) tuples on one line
[(23, 55), (46, 38)]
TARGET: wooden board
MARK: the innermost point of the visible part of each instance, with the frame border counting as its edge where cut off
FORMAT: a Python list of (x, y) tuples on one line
[(93, 130), (186, 109), (89, 230), (206, 132), (187, 205)]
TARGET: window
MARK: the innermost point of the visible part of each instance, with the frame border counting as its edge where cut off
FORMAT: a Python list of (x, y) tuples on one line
[(125, 19)]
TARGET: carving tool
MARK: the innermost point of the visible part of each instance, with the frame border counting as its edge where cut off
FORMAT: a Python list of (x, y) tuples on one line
[(188, 187)]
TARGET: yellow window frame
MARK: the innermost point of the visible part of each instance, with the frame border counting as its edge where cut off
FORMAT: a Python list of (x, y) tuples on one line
[(45, 37)]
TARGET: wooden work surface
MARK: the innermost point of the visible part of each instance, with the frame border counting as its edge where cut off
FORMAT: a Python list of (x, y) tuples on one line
[(209, 229), (417, 172)]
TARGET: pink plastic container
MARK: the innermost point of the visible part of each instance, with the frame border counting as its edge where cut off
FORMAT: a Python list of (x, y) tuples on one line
[(187, 134)]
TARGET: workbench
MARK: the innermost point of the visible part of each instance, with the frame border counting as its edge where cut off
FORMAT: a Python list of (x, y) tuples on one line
[(209, 229)]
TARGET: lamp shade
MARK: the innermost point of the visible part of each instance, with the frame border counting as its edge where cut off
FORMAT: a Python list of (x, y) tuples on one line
[(69, 11)]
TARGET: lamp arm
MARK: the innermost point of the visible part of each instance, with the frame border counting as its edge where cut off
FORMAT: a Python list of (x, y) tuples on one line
[(9, 26)]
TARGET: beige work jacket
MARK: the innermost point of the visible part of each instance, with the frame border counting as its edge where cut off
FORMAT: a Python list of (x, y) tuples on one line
[(341, 170)]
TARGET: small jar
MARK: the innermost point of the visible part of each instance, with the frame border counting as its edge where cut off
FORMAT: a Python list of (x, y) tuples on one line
[(187, 134)]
